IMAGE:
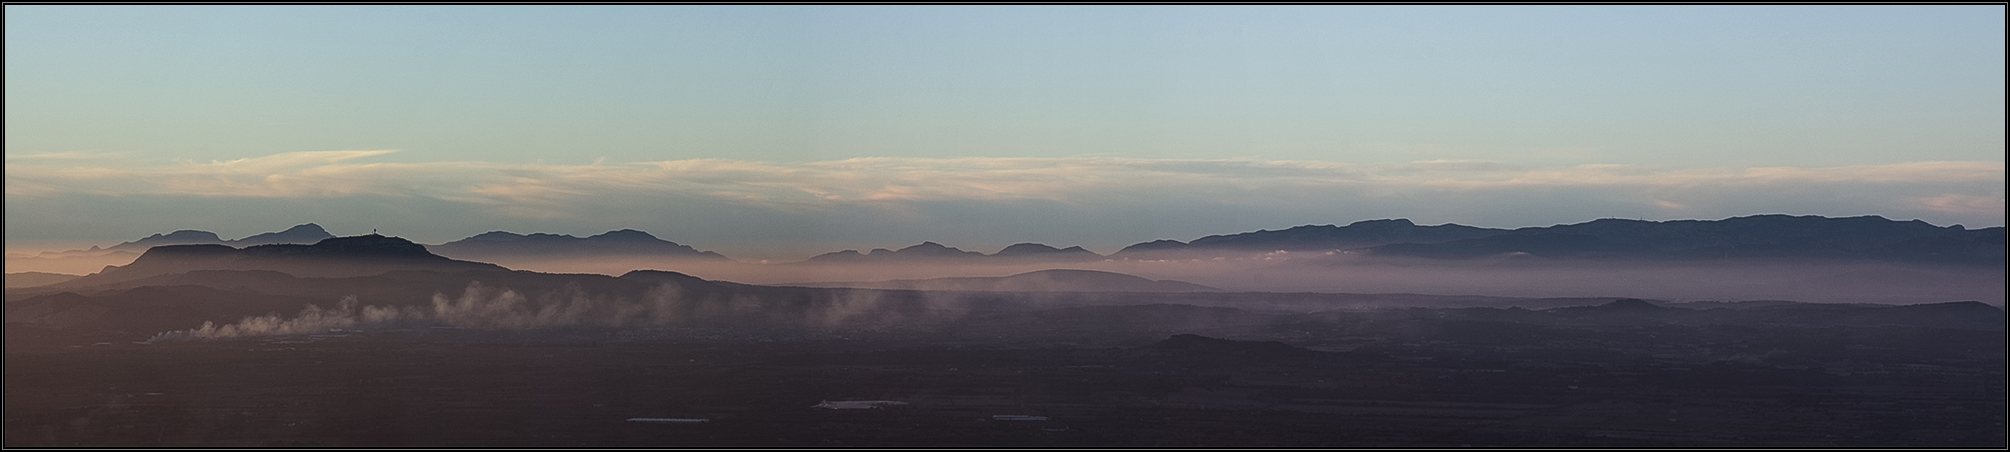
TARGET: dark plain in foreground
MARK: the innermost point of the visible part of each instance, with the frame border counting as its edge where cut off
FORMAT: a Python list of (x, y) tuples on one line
[(1656, 386)]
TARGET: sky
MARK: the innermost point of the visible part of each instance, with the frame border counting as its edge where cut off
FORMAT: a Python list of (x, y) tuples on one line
[(786, 131)]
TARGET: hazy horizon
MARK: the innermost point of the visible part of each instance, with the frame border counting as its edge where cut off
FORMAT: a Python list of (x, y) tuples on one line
[(779, 132), (32, 248), (770, 134)]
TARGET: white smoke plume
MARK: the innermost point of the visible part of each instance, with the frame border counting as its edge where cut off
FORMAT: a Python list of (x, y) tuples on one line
[(478, 307), (486, 308), (312, 319), (481, 307)]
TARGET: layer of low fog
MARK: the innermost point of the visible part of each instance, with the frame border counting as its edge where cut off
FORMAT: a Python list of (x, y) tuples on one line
[(1750, 279), (68, 262), (1798, 280)]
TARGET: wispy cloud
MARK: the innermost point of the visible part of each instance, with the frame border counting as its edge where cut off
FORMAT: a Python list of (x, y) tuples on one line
[(1963, 204), (547, 190), (70, 155)]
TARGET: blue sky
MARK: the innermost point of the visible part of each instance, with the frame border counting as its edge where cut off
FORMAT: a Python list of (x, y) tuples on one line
[(866, 126)]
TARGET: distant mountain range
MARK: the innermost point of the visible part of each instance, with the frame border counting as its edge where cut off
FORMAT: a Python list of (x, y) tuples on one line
[(622, 243), (299, 235), (491, 245), (1360, 234), (75, 316), (89, 260), (1759, 236), (931, 251), (1039, 281), (177, 287)]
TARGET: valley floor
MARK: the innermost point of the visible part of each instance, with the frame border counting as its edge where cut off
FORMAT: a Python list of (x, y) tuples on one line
[(579, 388)]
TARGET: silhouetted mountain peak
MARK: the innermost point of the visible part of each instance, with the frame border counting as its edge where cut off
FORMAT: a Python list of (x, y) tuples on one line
[(626, 235), (187, 250), (181, 237), (361, 255), (361, 246), (186, 234), (1027, 248), (305, 229), (876, 254), (925, 247), (624, 242), (494, 236), (1359, 234), (301, 234), (932, 249), (1387, 223), (1155, 245), (1036, 250), (368, 244)]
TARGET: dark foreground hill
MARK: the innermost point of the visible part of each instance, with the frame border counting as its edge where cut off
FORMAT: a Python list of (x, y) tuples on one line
[(1409, 382), (335, 257), (526, 359)]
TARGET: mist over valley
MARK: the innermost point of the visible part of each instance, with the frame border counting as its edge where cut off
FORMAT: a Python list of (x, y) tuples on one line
[(1177, 345), (1005, 226)]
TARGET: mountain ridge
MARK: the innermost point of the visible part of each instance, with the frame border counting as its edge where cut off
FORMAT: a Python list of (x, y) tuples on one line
[(334, 257), (1773, 235), (622, 242), (1806, 236), (1359, 234), (305, 233), (1756, 236)]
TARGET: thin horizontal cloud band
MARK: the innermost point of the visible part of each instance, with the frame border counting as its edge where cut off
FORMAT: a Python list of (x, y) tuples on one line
[(884, 179)]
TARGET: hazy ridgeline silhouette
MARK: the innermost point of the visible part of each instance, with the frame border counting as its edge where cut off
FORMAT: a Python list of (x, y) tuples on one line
[(1815, 259)]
